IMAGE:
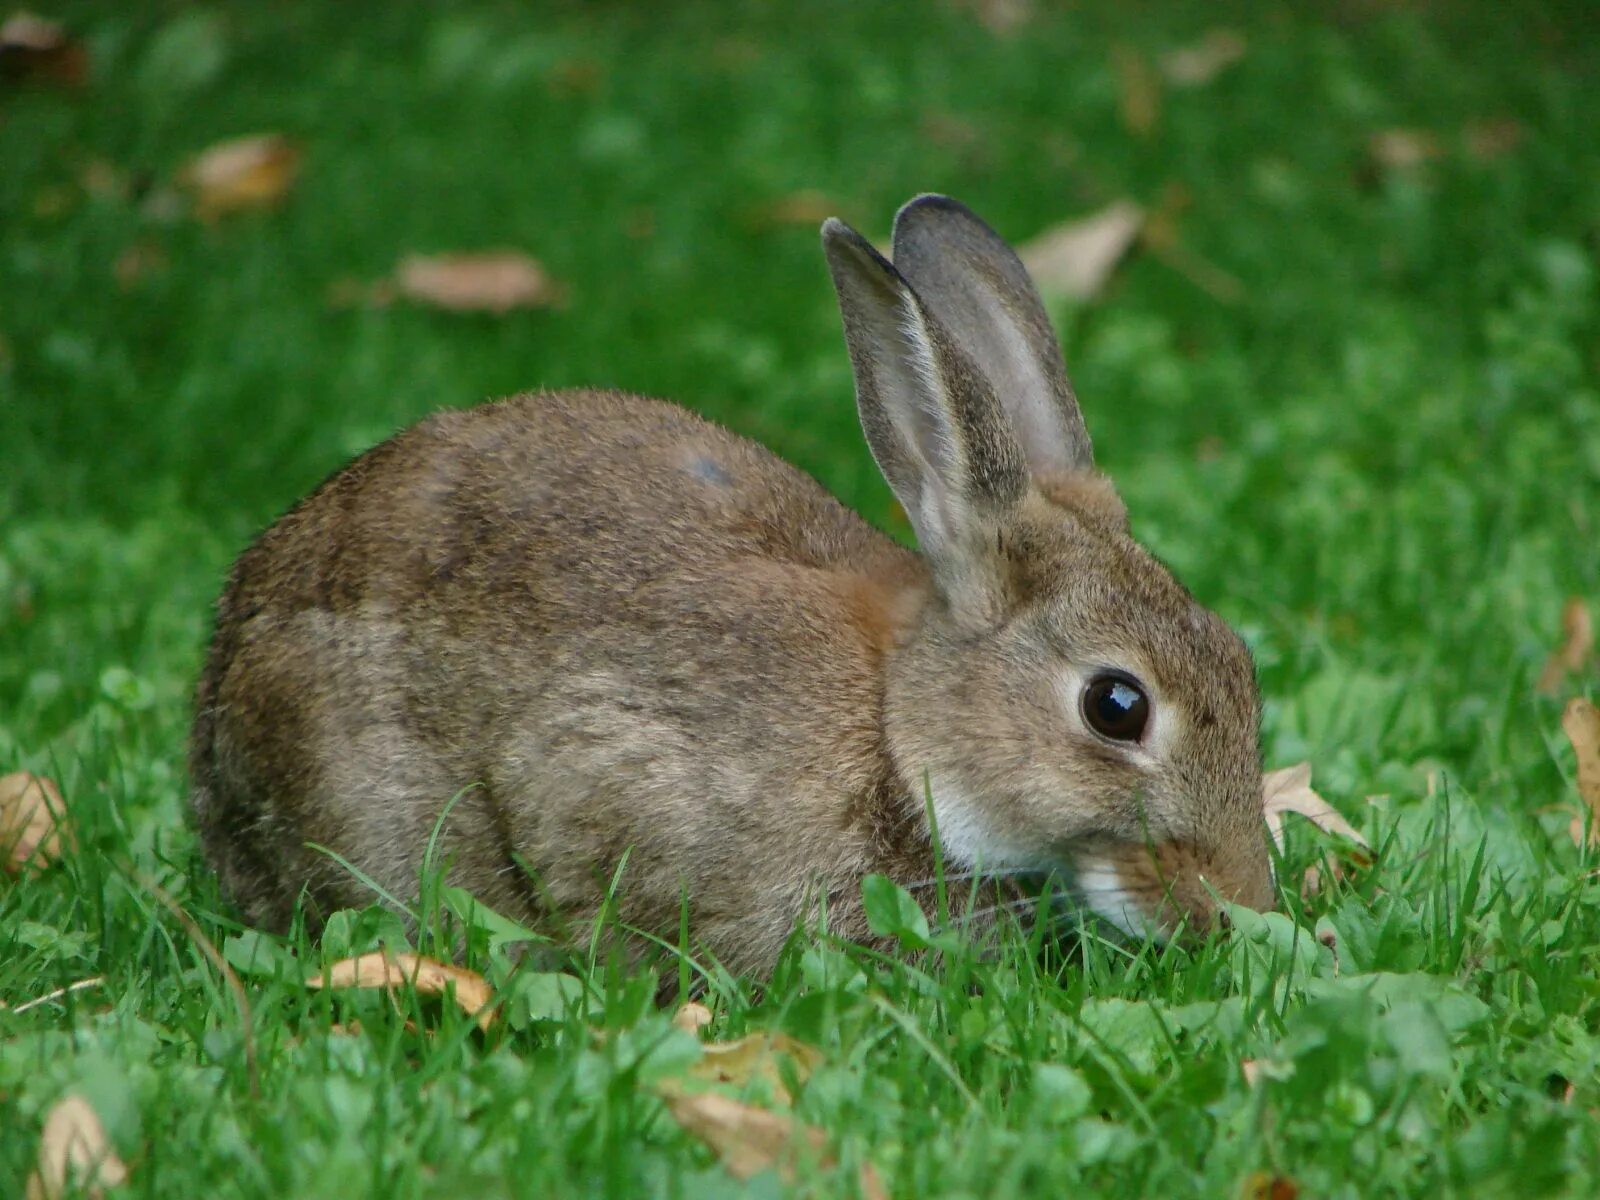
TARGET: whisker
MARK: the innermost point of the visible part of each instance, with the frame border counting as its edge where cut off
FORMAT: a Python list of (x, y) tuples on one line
[(963, 876)]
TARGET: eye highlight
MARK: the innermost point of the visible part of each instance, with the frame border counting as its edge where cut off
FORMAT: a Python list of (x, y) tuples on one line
[(1115, 706)]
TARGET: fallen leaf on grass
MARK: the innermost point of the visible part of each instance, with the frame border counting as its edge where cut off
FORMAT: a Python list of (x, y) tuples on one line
[(692, 1017), (576, 77), (1288, 790), (241, 174), (1203, 61), (30, 835), (1138, 91), (1003, 17), (74, 1154), (1493, 138), (32, 48), (1077, 258), (755, 1058), (1581, 723), (1403, 149), (1264, 1185), (494, 281), (805, 207), (427, 976), (1577, 645), (98, 177), (750, 1140), (136, 262)]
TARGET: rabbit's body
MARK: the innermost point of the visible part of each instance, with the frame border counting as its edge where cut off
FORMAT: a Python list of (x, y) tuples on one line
[(582, 634), (477, 605)]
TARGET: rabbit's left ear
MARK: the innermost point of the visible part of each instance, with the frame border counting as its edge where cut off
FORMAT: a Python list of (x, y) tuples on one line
[(934, 423), (974, 284)]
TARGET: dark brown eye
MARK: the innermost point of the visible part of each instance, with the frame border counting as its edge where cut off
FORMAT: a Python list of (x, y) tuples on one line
[(1116, 708)]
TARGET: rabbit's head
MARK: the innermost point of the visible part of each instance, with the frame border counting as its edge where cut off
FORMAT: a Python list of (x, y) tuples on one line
[(1069, 704)]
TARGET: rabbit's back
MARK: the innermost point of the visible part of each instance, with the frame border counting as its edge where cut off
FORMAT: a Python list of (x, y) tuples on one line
[(589, 624)]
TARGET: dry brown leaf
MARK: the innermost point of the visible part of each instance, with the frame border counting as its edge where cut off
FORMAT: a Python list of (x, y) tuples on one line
[(1577, 644), (805, 207), (1492, 138), (1288, 790), (692, 1017), (1003, 17), (750, 1140), (1581, 723), (427, 976), (1203, 61), (137, 261), (1403, 149), (576, 77), (493, 281), (30, 811), (1077, 258), (755, 1057), (1264, 1185), (1138, 91), (32, 48), (241, 174), (1250, 1068), (98, 177), (74, 1153)]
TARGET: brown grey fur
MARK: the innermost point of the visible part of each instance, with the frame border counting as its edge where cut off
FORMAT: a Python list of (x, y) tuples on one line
[(605, 626)]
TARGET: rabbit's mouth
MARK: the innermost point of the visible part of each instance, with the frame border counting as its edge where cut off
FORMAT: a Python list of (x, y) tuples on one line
[(1118, 898)]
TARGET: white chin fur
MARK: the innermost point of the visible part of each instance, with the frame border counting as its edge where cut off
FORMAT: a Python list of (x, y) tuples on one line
[(1100, 885), (969, 840)]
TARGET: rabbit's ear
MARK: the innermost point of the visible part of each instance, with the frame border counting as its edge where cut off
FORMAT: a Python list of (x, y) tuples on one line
[(977, 288), (934, 423)]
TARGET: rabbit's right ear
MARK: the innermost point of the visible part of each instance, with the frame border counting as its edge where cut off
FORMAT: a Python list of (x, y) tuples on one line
[(937, 429), (977, 287)]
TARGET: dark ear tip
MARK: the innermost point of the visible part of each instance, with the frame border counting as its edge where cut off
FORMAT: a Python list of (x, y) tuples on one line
[(840, 240), (837, 236), (933, 206)]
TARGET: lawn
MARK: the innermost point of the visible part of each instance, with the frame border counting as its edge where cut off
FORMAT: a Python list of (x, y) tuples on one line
[(1348, 384)]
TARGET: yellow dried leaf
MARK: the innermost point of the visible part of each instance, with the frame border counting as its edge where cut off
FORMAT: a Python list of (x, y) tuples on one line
[(74, 1153), (1492, 138), (240, 174), (692, 1017), (1001, 17), (1138, 91), (1404, 149), (493, 281), (32, 48), (1577, 644), (136, 262), (750, 1140), (1288, 790), (755, 1058), (1263, 1185), (806, 207), (1203, 61), (30, 811), (1581, 723), (1077, 258), (427, 976)]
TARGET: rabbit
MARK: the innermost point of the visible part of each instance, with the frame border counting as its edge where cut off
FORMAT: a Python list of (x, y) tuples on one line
[(589, 641)]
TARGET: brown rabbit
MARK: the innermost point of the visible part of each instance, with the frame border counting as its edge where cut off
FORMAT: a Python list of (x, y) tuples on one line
[(594, 625)]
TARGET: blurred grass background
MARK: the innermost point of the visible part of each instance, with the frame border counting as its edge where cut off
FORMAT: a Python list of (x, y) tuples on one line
[(1348, 385)]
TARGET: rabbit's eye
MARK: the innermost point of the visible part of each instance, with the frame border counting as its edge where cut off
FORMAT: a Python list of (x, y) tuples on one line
[(1116, 708)]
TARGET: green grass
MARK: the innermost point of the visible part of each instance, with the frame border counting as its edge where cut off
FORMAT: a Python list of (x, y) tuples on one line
[(1381, 461)]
